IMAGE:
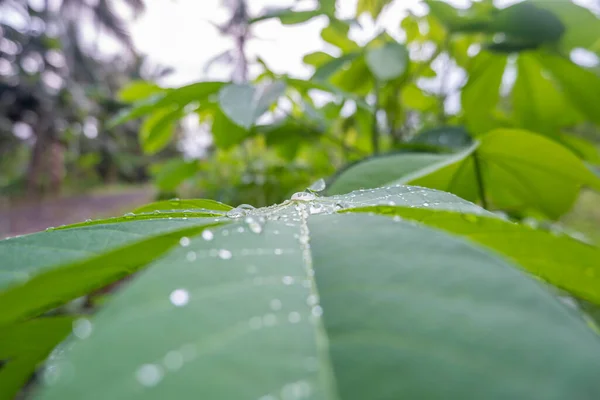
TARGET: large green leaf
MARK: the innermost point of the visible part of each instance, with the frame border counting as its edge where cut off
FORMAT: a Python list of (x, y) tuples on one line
[(244, 104), (581, 86), (225, 132), (183, 204), (138, 90), (528, 23), (518, 169), (387, 62), (287, 309), (538, 105), (482, 91), (42, 271), (560, 260), (24, 346)]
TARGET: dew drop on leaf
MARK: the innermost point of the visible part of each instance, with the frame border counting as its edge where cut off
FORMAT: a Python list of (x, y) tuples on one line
[(255, 323), (207, 235), (179, 297), (173, 360), (82, 328), (269, 320), (294, 317), (287, 280), (278, 252), (318, 186), (225, 254), (184, 241), (246, 207), (254, 225), (317, 311), (303, 196), (236, 213), (191, 256), (149, 375), (275, 304)]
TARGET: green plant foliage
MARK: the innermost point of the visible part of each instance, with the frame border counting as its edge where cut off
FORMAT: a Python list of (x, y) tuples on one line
[(25, 345), (518, 169), (482, 91), (543, 254), (244, 104), (171, 174), (388, 61), (336, 34), (157, 131), (372, 7), (183, 204), (138, 90), (528, 23), (581, 86), (444, 137), (286, 288), (327, 69)]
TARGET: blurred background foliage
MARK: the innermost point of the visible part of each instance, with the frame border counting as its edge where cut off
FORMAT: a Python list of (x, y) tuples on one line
[(496, 103)]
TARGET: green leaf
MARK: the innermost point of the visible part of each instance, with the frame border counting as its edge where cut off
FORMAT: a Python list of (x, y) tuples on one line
[(157, 131), (63, 265), (387, 62), (288, 136), (179, 97), (313, 322), (317, 58), (381, 170), (518, 168), (336, 34), (450, 137), (528, 22), (173, 172), (25, 346), (559, 260), (537, 103), (580, 86), (225, 132), (372, 7), (138, 90), (356, 79), (583, 26), (323, 72), (183, 204), (303, 86), (288, 16), (584, 149), (482, 91), (413, 97), (244, 104)]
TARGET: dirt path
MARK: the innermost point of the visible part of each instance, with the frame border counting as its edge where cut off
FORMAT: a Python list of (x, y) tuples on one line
[(18, 217)]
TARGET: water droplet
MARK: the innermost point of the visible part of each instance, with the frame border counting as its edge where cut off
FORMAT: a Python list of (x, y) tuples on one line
[(269, 320), (88, 220), (50, 228), (173, 360), (275, 304), (184, 241), (175, 201), (278, 252), (207, 235), (240, 229), (425, 204), (246, 207), (303, 196), (82, 328), (391, 203), (318, 186), (254, 225), (255, 323), (236, 213), (317, 311), (179, 297), (312, 300), (149, 374), (191, 256), (287, 280), (294, 317), (129, 215), (225, 254), (304, 239), (316, 208)]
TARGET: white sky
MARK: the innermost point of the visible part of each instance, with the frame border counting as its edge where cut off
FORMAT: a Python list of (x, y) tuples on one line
[(178, 34)]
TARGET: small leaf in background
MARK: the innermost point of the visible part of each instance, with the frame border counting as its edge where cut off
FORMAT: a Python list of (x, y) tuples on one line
[(537, 103), (324, 71), (244, 104), (336, 34), (356, 79), (583, 26), (482, 91), (225, 132), (317, 58), (157, 130), (138, 90), (528, 23), (372, 7), (450, 137), (387, 62), (173, 172), (415, 98), (580, 86)]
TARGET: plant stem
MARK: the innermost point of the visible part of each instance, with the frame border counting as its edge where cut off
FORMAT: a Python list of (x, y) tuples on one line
[(375, 127), (479, 178)]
